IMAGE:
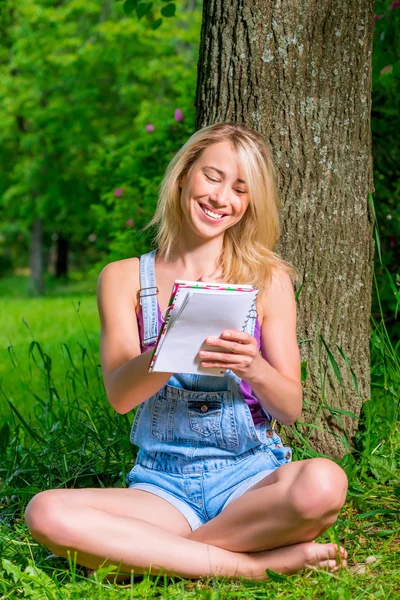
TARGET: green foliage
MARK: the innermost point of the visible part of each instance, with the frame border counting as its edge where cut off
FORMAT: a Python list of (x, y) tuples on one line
[(74, 87), (142, 8), (64, 411), (169, 10), (126, 174), (386, 150), (135, 169)]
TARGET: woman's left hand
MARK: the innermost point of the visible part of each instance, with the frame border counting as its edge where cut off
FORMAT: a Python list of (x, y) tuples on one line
[(237, 351)]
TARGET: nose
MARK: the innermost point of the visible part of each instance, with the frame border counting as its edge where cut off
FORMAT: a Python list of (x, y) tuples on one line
[(219, 197)]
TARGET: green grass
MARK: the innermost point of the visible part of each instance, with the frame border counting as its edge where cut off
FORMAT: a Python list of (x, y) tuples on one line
[(78, 284), (56, 320), (58, 430)]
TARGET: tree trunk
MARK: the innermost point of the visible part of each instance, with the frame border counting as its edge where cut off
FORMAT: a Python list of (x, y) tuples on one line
[(300, 74), (36, 258), (62, 257)]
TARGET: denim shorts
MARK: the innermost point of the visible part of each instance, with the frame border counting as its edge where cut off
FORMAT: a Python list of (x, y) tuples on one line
[(200, 494)]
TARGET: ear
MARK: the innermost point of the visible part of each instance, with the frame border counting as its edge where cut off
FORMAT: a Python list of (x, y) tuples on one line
[(181, 180)]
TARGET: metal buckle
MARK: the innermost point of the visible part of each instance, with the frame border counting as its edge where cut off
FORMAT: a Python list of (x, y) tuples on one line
[(146, 294), (149, 341)]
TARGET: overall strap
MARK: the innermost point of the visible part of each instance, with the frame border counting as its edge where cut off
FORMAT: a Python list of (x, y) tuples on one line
[(148, 298)]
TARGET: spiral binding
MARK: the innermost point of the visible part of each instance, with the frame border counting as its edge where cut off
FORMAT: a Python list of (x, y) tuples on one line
[(168, 310), (252, 314)]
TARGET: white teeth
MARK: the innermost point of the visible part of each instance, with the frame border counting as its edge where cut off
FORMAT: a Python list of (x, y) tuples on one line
[(211, 214)]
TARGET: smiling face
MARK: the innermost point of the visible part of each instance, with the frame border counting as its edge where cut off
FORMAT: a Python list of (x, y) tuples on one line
[(214, 195)]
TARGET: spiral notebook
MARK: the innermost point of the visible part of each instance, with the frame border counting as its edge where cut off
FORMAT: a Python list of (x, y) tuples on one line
[(198, 310)]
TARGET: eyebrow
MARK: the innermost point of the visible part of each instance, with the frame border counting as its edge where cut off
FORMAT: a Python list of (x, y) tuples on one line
[(222, 173)]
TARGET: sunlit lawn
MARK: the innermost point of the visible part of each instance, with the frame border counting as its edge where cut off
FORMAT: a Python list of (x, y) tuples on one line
[(62, 317), (66, 434)]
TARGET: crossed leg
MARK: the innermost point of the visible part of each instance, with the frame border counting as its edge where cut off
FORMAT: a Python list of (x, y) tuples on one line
[(295, 503), (138, 531), (283, 513)]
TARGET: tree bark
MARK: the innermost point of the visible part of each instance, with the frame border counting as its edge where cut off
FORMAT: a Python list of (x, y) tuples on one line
[(36, 258), (300, 74)]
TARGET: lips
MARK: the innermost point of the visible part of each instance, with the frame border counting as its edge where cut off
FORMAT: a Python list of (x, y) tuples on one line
[(212, 210)]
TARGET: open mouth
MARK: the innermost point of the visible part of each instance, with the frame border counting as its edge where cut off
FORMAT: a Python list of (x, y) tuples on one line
[(210, 213)]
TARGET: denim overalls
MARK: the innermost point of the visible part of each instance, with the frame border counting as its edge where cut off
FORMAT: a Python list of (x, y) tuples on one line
[(198, 445)]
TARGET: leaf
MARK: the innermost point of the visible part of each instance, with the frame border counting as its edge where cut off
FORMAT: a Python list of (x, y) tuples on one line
[(340, 411), (347, 463), (394, 290), (65, 348), (143, 8), (4, 437), (304, 370), (40, 578), (129, 6), (347, 361), (383, 468), (11, 353), (331, 359), (12, 569), (156, 24), (376, 228), (277, 577), (299, 292), (169, 10), (378, 511), (38, 438)]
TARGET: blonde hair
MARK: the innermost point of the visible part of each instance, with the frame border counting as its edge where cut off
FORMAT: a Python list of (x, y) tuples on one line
[(248, 249)]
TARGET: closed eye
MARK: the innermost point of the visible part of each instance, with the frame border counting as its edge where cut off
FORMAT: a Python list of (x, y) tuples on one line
[(211, 179), (239, 191)]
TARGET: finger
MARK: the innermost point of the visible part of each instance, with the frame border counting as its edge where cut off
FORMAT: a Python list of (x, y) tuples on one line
[(223, 365), (218, 342), (237, 336), (232, 347), (223, 357)]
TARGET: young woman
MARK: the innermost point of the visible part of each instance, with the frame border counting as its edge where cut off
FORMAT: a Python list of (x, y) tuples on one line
[(213, 490)]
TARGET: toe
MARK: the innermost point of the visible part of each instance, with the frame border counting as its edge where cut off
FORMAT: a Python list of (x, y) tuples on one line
[(329, 565)]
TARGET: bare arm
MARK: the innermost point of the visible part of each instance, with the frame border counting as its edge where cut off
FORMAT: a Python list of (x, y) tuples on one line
[(125, 370), (277, 381)]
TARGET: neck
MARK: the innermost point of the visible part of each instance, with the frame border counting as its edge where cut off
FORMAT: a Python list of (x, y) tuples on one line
[(198, 259)]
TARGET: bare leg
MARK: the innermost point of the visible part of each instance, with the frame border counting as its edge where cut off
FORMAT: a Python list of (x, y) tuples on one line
[(68, 525), (294, 504)]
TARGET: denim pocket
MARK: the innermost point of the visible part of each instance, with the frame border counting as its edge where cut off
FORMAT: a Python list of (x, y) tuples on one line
[(205, 417), (201, 418), (162, 417)]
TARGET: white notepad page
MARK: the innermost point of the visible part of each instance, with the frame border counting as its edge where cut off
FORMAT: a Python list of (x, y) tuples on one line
[(203, 313)]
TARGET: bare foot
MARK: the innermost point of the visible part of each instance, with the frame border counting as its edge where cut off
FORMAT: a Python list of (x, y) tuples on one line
[(291, 559)]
